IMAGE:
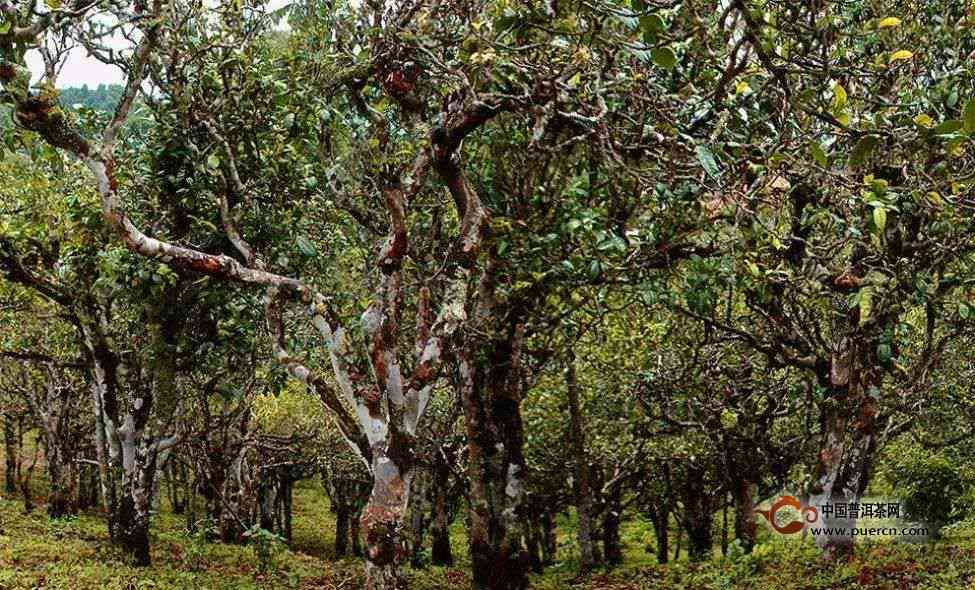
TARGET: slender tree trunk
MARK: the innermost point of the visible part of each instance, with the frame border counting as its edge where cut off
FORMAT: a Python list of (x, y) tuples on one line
[(177, 486), (83, 494), (418, 519), (132, 524), (26, 478), (105, 406), (698, 515), (61, 498), (724, 525), (583, 493), (441, 553), (549, 545), (10, 455), (533, 534), (356, 537), (267, 499), (612, 547), (88, 488), (660, 517), (346, 499), (677, 545), (341, 531), (191, 501)]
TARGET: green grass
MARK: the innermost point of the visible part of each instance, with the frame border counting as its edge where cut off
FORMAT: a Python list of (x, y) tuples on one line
[(74, 554)]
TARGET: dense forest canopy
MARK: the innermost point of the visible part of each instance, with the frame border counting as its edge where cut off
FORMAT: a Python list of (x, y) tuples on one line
[(500, 277), (103, 98)]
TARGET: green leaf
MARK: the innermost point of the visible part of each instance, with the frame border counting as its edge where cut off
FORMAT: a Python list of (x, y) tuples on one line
[(664, 57), (213, 162), (595, 268), (952, 99), (968, 116), (865, 303), (924, 120), (880, 219), (884, 353), (306, 247), (706, 158), (652, 24), (818, 154), (862, 150), (949, 126), (729, 420), (839, 97), (900, 55)]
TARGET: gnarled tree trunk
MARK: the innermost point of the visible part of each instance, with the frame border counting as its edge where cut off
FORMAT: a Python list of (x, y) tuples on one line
[(383, 517), (745, 526), (848, 440), (698, 514), (491, 395)]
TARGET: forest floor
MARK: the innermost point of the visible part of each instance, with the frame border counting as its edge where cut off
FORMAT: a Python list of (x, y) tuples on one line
[(73, 554)]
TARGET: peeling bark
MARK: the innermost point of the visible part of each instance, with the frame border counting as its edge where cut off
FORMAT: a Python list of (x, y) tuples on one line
[(491, 399), (848, 437), (382, 521)]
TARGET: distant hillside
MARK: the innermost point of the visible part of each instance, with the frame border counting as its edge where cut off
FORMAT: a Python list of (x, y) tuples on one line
[(103, 98)]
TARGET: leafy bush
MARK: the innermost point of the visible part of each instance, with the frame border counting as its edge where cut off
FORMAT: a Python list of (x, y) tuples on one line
[(196, 549), (267, 546), (932, 487)]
